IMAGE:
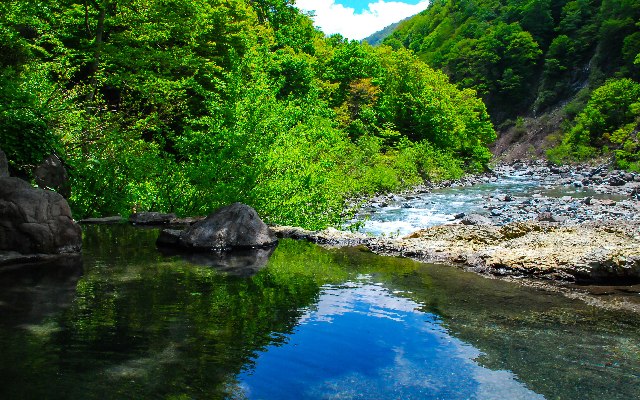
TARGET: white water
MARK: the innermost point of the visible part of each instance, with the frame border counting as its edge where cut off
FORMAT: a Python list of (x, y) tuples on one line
[(440, 206)]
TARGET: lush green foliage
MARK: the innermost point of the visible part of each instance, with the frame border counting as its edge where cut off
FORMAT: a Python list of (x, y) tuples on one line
[(184, 106), (526, 55), (610, 121)]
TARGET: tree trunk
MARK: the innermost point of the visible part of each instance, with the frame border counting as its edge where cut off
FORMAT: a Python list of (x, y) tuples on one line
[(99, 39)]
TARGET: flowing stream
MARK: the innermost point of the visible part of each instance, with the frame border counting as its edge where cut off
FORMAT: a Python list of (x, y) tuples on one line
[(400, 215), (304, 323)]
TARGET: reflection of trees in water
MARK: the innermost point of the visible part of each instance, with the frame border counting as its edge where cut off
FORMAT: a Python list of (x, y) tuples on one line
[(147, 325), (142, 324), (30, 293)]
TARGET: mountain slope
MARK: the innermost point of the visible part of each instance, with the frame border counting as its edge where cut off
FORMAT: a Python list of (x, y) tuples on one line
[(378, 37), (525, 57), (185, 106)]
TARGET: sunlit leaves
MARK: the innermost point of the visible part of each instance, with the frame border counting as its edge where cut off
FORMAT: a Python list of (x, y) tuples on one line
[(185, 106)]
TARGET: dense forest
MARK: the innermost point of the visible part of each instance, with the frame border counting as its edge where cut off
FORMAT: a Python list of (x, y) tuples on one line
[(525, 57), (184, 106), (187, 105)]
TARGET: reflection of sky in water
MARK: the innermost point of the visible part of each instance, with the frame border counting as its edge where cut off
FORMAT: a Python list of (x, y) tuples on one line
[(360, 341)]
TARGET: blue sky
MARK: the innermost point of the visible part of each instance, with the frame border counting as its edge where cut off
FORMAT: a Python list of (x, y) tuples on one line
[(357, 19), (361, 5)]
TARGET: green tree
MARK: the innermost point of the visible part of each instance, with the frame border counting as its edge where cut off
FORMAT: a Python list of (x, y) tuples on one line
[(609, 120)]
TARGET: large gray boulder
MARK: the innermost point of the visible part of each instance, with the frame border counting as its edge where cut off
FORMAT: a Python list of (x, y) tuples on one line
[(4, 165), (51, 174), (237, 226), (35, 221)]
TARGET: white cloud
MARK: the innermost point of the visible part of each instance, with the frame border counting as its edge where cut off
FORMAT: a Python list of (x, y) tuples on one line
[(336, 18)]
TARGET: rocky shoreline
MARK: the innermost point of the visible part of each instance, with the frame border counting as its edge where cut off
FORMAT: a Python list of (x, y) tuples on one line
[(589, 239), (567, 239), (598, 262), (601, 252), (541, 240)]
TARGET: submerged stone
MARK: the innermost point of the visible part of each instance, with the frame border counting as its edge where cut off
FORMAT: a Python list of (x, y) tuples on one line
[(151, 218), (475, 219)]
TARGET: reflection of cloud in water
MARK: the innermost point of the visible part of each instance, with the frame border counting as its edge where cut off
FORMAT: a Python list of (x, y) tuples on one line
[(360, 298), (360, 341), (408, 379)]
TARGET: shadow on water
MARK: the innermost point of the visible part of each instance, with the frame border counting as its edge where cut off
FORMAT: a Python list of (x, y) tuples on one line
[(312, 323), (241, 262), (32, 292)]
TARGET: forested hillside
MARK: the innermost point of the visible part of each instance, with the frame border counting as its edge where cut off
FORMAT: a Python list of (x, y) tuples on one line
[(526, 54), (187, 105), (378, 37), (525, 57)]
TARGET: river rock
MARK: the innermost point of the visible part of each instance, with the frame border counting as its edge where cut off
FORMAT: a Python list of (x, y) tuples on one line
[(35, 221), (231, 227), (4, 165), (616, 180), (151, 218), (549, 217), (116, 219), (169, 238), (51, 174), (475, 219)]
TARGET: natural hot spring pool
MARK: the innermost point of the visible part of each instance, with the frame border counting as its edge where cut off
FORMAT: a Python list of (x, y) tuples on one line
[(312, 323)]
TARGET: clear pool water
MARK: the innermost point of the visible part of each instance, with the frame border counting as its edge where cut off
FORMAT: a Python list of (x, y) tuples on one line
[(309, 323)]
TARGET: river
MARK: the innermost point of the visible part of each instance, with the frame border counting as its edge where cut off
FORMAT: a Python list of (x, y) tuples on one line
[(529, 193), (304, 323)]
